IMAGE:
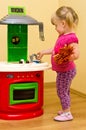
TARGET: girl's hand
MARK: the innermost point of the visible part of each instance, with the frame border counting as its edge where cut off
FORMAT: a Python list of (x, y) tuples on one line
[(39, 55), (44, 52), (64, 55)]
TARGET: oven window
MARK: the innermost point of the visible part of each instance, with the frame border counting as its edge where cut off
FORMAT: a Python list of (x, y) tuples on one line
[(23, 93)]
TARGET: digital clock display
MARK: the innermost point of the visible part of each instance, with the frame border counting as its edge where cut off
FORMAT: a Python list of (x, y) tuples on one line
[(16, 10)]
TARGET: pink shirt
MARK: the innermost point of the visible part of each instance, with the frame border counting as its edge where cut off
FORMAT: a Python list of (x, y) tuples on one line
[(61, 41)]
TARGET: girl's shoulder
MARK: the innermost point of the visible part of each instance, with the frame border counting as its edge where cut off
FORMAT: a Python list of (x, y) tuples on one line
[(68, 38), (72, 38)]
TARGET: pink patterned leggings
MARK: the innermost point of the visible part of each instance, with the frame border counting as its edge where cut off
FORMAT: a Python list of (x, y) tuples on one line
[(63, 82)]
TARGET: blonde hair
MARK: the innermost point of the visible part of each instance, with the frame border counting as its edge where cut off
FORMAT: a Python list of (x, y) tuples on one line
[(67, 14)]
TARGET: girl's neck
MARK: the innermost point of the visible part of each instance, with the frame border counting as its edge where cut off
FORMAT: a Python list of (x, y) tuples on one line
[(68, 30), (68, 33)]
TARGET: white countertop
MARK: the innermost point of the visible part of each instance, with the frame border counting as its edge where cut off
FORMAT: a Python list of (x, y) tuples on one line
[(16, 67)]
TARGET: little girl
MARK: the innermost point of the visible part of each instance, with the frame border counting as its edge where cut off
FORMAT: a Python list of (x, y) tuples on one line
[(65, 20)]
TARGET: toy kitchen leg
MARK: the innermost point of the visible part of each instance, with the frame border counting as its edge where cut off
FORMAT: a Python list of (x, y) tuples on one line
[(21, 95)]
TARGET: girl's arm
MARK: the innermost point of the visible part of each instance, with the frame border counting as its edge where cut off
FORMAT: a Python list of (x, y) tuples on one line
[(76, 52), (44, 52)]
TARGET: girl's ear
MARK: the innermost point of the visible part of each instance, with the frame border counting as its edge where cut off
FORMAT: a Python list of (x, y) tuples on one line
[(63, 23)]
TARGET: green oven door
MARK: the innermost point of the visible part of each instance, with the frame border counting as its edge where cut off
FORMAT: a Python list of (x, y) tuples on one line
[(23, 93)]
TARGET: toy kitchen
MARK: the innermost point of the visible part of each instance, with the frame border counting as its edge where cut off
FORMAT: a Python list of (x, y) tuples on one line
[(21, 81)]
